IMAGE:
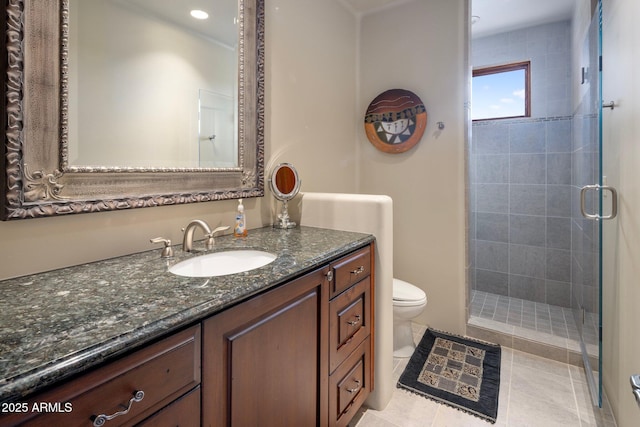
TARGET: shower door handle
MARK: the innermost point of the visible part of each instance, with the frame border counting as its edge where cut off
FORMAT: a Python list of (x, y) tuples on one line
[(614, 201)]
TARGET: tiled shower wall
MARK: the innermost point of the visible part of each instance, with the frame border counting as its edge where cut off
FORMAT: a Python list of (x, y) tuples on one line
[(585, 236), (521, 174)]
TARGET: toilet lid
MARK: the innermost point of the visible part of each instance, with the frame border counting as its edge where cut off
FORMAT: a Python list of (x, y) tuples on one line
[(403, 291)]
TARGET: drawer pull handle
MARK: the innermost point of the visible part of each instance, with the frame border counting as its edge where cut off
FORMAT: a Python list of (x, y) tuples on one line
[(102, 418), (354, 390), (358, 270), (356, 321)]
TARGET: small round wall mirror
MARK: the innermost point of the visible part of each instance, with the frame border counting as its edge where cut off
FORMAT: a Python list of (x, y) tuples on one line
[(285, 184)]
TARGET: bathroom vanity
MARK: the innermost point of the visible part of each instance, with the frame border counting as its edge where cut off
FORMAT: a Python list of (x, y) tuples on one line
[(290, 343)]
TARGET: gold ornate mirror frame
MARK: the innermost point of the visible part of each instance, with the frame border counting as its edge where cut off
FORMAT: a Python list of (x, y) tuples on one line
[(37, 180)]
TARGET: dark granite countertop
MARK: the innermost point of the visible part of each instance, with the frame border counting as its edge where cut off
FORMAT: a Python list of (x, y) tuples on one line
[(59, 323)]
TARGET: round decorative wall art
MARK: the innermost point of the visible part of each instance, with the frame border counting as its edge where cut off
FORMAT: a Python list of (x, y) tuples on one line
[(395, 121)]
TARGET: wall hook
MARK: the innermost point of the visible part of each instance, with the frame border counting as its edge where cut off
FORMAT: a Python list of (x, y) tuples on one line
[(611, 105)]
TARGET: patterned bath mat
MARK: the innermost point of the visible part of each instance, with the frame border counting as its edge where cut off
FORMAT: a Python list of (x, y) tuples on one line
[(459, 372)]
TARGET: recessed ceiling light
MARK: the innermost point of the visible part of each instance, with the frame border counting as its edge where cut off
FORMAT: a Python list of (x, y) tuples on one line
[(199, 14)]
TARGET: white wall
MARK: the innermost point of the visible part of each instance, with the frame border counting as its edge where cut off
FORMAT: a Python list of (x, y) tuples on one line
[(310, 105), (132, 64), (311, 91), (621, 136), (421, 46)]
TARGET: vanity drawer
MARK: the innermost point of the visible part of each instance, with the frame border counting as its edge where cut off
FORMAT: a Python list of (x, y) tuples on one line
[(349, 386), (164, 371), (184, 412), (350, 269), (349, 321)]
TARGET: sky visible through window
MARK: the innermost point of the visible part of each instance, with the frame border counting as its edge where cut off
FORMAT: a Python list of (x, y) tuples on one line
[(498, 95)]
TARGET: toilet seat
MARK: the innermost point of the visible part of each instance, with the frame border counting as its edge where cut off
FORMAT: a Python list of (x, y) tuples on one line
[(406, 295)]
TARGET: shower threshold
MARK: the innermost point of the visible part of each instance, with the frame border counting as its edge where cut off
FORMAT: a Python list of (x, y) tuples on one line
[(545, 330)]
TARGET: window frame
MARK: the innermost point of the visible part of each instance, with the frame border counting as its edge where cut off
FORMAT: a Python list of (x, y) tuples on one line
[(514, 66)]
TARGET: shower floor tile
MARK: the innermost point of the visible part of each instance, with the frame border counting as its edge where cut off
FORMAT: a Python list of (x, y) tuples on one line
[(539, 317)]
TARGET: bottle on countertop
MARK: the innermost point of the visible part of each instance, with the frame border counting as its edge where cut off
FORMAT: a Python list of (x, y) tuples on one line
[(240, 228)]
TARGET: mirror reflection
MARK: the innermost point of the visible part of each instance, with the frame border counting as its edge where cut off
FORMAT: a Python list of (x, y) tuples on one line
[(150, 86)]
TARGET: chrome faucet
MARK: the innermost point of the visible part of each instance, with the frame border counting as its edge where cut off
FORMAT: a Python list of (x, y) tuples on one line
[(187, 241)]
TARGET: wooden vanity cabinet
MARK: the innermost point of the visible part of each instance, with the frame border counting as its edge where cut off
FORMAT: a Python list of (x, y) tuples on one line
[(350, 334), (299, 354), (266, 358), (167, 373)]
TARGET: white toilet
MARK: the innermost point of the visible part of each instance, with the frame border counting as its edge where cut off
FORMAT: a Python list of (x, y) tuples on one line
[(408, 302)]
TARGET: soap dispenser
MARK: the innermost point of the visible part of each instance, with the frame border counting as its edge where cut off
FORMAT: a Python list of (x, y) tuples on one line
[(240, 228)]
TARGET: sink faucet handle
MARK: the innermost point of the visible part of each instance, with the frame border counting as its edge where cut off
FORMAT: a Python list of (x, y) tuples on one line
[(219, 229), (167, 251), (210, 241)]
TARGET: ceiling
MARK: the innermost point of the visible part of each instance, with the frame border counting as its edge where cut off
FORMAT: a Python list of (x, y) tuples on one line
[(496, 16), (220, 26)]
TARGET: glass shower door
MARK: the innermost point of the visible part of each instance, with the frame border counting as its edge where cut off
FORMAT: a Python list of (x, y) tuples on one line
[(593, 202)]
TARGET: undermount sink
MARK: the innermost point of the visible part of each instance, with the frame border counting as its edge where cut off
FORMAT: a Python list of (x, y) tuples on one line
[(222, 263)]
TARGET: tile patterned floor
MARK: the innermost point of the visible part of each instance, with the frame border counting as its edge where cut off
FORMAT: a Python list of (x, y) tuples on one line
[(534, 392), (539, 317)]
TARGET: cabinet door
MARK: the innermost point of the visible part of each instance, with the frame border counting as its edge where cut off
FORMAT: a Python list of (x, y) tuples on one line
[(265, 360)]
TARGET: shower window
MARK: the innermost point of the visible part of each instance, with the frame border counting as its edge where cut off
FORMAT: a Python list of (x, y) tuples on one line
[(501, 92)]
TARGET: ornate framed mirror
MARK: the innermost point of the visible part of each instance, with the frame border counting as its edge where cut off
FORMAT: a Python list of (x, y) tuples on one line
[(49, 102)]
